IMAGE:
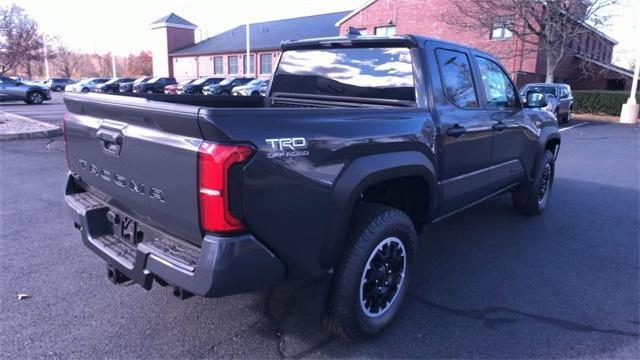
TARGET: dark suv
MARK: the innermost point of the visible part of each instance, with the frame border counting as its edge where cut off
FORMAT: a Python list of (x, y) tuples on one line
[(127, 87), (560, 98), (196, 86), (58, 84), (225, 86), (113, 85), (154, 86)]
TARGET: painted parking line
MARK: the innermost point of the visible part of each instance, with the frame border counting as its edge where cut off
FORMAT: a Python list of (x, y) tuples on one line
[(572, 127)]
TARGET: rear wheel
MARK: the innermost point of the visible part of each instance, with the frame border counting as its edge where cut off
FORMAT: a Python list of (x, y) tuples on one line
[(149, 91), (58, 88), (372, 281), (533, 198), (35, 97)]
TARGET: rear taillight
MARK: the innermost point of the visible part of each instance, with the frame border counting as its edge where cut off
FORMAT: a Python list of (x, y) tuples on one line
[(65, 118), (214, 162)]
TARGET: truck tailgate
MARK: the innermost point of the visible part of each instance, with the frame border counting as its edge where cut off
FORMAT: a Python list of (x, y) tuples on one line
[(139, 157)]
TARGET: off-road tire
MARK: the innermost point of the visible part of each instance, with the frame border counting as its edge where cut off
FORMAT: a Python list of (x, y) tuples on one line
[(527, 200), (371, 225)]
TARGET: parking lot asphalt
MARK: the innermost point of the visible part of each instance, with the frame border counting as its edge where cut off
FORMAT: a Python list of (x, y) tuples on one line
[(50, 111), (488, 283)]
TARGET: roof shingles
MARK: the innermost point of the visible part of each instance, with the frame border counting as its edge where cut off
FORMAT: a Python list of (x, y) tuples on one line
[(173, 19), (266, 35)]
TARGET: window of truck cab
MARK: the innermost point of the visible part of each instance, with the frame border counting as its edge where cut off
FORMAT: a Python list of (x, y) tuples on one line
[(378, 73)]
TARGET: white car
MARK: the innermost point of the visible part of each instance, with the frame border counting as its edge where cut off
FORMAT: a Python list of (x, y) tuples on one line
[(85, 85)]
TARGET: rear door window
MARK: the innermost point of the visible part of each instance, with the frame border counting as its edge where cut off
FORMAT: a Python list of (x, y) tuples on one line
[(457, 79), (367, 73)]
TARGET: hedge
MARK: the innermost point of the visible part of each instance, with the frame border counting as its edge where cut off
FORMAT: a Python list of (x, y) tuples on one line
[(599, 101)]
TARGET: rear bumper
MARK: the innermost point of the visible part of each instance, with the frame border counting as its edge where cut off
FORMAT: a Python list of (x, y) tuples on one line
[(221, 266)]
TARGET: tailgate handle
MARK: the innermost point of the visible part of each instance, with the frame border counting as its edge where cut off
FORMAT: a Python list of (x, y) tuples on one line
[(111, 141)]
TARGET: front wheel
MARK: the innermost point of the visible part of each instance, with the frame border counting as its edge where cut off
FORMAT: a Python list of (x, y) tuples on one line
[(532, 199), (372, 281), (567, 117)]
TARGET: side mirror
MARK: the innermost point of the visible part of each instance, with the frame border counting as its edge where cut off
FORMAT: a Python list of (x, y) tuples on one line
[(18, 83), (536, 99)]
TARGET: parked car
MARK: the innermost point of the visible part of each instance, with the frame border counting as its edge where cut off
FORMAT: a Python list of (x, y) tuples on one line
[(127, 87), (58, 84), (197, 85), (252, 88), (560, 101), (154, 86), (11, 89), (333, 178), (85, 85), (113, 85), (173, 89), (225, 86)]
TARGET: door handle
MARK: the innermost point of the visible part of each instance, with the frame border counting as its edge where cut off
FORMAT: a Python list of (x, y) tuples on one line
[(456, 131), (500, 126)]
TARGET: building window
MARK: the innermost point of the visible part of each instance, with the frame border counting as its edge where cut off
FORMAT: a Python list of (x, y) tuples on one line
[(265, 64), (499, 32), (251, 63), (232, 64), (217, 65), (385, 30)]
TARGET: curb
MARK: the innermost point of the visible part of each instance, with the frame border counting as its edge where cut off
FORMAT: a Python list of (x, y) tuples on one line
[(47, 131)]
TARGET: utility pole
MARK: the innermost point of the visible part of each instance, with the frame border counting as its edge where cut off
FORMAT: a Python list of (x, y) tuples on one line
[(630, 110), (113, 63), (246, 64)]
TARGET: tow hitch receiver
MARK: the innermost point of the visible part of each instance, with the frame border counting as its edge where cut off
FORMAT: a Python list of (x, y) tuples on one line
[(117, 277)]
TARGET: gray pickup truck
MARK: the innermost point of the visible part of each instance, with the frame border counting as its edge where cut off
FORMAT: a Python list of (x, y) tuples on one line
[(359, 144), (559, 96)]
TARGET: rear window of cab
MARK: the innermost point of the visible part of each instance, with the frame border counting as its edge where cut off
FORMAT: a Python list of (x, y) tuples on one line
[(371, 73)]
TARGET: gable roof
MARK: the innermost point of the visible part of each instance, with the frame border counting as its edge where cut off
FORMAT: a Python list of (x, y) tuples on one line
[(354, 12), (173, 20), (266, 35)]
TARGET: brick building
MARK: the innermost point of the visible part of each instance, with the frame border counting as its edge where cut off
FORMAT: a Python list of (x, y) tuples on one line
[(224, 54), (587, 64)]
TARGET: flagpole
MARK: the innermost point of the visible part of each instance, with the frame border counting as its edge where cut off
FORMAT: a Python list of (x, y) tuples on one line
[(247, 67)]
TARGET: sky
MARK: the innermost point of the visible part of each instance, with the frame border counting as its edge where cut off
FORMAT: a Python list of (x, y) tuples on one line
[(122, 26)]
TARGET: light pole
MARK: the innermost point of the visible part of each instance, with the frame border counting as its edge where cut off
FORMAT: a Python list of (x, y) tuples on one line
[(46, 61), (113, 63), (629, 113)]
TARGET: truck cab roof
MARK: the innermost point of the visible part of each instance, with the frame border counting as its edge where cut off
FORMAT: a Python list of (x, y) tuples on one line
[(416, 41)]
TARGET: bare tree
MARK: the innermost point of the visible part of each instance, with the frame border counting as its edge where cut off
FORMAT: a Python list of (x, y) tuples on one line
[(67, 61), (20, 41), (547, 26)]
